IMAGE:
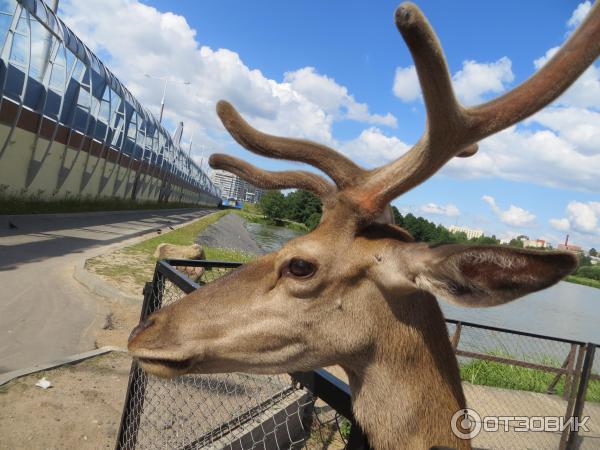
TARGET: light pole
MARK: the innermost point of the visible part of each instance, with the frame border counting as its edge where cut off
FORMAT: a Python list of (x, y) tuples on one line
[(162, 101)]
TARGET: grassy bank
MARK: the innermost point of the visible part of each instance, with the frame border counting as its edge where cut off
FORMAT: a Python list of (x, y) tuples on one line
[(491, 373), (14, 205), (259, 218), (583, 280), (130, 267)]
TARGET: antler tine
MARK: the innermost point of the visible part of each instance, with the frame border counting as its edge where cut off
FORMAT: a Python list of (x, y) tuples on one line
[(442, 108), (453, 130), (338, 167), (573, 58), (274, 180)]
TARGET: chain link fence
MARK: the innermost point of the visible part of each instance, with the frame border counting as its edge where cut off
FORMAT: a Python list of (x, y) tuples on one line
[(513, 382), (523, 388)]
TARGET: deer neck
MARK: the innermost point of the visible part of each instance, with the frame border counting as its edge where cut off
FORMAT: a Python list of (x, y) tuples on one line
[(406, 389)]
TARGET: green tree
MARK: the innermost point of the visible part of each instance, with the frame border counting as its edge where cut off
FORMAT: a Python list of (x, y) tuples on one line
[(485, 240), (516, 243), (273, 205), (584, 261), (301, 205), (398, 219), (313, 221), (593, 252)]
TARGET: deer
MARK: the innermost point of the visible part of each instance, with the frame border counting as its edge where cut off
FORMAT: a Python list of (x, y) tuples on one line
[(358, 291)]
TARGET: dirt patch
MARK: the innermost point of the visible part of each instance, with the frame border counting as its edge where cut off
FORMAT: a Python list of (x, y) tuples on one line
[(125, 269), (82, 409), (119, 322)]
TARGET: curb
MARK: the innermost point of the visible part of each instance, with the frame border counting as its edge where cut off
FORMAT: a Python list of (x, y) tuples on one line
[(98, 286), (73, 359)]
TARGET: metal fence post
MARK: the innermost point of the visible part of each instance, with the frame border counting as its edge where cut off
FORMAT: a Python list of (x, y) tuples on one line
[(572, 394), (588, 362), (153, 293), (357, 439), (456, 335)]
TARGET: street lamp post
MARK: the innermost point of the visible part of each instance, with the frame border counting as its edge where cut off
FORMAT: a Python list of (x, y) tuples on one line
[(164, 93)]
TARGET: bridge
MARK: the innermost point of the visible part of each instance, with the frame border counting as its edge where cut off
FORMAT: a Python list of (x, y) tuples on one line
[(69, 128)]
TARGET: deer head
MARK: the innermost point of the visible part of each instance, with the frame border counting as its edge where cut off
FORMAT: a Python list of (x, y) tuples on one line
[(358, 291)]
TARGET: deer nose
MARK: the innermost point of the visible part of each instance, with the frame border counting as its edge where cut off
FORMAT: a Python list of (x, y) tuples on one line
[(141, 327)]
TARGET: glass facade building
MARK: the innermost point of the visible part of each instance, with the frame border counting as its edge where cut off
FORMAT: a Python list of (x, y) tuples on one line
[(53, 86)]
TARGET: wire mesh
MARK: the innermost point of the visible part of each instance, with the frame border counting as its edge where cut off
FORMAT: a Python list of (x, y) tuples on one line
[(517, 382), (224, 411)]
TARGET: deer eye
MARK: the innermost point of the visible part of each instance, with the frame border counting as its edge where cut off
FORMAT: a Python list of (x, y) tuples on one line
[(300, 268)]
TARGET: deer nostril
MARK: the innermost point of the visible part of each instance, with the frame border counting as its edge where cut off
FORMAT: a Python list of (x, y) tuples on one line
[(141, 327)]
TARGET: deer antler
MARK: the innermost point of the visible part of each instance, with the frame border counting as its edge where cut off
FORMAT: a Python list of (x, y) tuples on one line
[(451, 129), (338, 167), (273, 180)]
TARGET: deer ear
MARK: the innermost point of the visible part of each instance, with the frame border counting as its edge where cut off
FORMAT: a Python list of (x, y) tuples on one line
[(487, 275)]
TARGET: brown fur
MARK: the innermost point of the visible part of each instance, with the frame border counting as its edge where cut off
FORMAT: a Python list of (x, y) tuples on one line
[(167, 251), (369, 306)]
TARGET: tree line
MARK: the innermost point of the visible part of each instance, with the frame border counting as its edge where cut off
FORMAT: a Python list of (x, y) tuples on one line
[(304, 207), (298, 206)]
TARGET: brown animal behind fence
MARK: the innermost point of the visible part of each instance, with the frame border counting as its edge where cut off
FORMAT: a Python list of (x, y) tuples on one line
[(357, 291)]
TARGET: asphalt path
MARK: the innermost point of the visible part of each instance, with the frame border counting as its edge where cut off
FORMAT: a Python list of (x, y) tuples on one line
[(45, 314)]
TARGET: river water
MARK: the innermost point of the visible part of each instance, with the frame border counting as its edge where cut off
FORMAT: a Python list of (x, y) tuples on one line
[(564, 310)]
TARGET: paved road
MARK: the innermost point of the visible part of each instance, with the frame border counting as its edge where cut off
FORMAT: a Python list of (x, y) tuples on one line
[(44, 313)]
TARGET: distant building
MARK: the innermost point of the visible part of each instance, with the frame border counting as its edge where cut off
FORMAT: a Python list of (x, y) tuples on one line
[(570, 248), (470, 232), (535, 243), (233, 186)]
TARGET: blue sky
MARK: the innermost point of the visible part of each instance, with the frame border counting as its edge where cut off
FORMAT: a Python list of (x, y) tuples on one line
[(339, 73)]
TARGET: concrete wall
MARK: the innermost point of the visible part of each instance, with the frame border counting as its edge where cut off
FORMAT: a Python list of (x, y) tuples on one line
[(25, 155)]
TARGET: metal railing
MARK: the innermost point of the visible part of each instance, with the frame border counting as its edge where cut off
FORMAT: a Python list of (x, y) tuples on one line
[(516, 374), (506, 373)]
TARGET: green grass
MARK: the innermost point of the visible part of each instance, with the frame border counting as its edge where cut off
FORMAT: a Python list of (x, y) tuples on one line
[(130, 267), (584, 281), (258, 218), (226, 254), (33, 205), (492, 373), (183, 236)]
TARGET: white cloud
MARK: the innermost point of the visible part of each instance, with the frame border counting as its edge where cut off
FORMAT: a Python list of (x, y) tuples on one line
[(560, 224), (514, 216), (449, 210), (305, 104), (406, 84), (578, 126), (540, 157), (584, 216), (579, 14), (582, 221), (333, 98), (476, 79), (471, 83), (375, 148)]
